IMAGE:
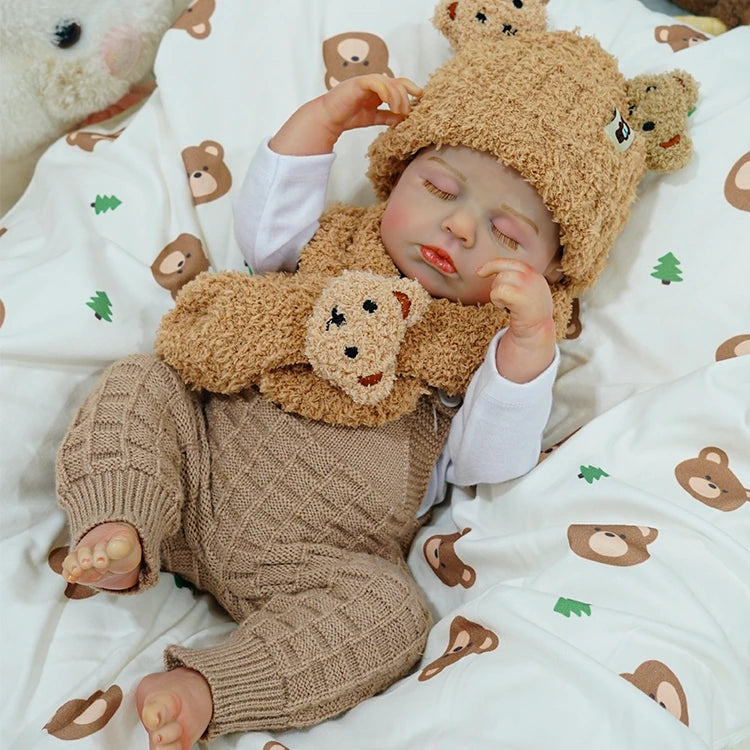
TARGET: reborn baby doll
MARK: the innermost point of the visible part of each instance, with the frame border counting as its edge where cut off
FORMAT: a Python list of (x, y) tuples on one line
[(288, 482)]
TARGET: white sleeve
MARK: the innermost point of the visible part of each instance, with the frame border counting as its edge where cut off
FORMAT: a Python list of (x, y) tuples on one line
[(496, 435), (277, 207)]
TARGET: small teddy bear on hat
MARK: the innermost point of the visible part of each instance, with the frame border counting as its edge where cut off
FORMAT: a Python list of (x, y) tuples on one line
[(60, 63), (461, 21), (660, 105)]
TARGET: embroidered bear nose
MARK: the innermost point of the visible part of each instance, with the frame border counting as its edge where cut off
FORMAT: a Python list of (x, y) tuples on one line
[(351, 352)]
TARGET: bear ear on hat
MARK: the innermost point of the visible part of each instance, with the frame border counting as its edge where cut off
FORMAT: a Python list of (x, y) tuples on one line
[(659, 106), (460, 21)]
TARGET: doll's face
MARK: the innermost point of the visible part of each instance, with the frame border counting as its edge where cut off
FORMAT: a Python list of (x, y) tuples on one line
[(453, 210)]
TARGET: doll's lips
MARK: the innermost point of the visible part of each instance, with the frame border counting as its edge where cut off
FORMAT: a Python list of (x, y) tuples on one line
[(368, 380), (437, 257), (673, 141)]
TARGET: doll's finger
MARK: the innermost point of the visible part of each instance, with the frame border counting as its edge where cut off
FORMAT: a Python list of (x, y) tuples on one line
[(397, 99), (386, 117), (403, 88), (409, 86), (375, 84), (498, 265)]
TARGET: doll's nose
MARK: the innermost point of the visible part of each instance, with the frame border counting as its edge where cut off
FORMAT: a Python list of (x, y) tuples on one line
[(462, 226)]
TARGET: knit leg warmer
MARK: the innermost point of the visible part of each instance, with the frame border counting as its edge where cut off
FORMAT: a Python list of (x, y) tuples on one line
[(135, 448), (344, 626)]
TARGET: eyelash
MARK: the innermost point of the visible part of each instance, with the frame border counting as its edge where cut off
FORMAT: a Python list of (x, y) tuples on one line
[(508, 241), (437, 191)]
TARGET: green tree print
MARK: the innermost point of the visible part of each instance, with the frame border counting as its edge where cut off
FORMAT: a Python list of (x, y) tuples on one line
[(104, 203), (668, 269), (590, 473), (101, 306), (568, 607)]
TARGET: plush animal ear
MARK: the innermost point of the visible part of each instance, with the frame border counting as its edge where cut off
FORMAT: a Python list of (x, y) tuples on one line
[(659, 106), (444, 20), (413, 298)]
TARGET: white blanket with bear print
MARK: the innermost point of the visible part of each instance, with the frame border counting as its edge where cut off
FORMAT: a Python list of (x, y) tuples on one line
[(601, 601)]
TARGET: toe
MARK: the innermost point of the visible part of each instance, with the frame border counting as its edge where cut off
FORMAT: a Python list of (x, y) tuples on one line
[(101, 560), (85, 558), (119, 547), (71, 568), (168, 734)]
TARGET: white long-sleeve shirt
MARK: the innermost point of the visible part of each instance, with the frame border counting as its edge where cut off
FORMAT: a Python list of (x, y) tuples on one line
[(496, 433)]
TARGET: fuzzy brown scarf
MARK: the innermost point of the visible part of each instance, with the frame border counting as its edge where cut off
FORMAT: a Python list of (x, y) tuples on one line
[(229, 331)]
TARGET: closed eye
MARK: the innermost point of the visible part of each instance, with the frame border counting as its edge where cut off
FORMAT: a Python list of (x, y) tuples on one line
[(502, 237), (435, 190)]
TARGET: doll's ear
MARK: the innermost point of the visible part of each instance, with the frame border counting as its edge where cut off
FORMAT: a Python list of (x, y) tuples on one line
[(659, 106)]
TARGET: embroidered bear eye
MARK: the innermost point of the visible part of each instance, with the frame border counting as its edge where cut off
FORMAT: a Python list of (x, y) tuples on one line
[(370, 305), (67, 33), (337, 319)]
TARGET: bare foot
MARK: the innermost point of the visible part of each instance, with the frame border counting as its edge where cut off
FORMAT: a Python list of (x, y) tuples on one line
[(175, 707), (108, 557)]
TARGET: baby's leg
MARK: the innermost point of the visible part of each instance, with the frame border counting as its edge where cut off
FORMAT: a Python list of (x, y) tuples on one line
[(175, 708), (343, 627), (135, 451), (108, 557)]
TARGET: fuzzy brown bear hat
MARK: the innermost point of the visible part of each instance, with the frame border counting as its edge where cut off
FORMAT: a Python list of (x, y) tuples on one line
[(553, 106)]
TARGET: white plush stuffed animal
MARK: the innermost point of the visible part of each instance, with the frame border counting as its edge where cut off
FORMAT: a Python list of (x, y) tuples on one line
[(62, 61)]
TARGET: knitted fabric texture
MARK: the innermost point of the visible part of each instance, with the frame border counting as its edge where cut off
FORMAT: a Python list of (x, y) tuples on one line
[(298, 528), (550, 105), (229, 331)]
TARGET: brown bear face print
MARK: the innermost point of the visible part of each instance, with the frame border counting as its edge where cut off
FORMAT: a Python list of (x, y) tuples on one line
[(679, 36), (439, 551), (354, 53), (465, 638), (737, 346), (179, 262), (208, 176), (80, 718), (660, 684), (195, 18), (611, 544), (709, 479), (737, 184)]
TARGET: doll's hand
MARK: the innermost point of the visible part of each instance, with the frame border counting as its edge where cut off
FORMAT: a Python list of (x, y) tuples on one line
[(354, 103), (528, 346)]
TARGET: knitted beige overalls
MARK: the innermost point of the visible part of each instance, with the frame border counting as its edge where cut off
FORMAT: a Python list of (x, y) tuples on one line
[(298, 528)]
